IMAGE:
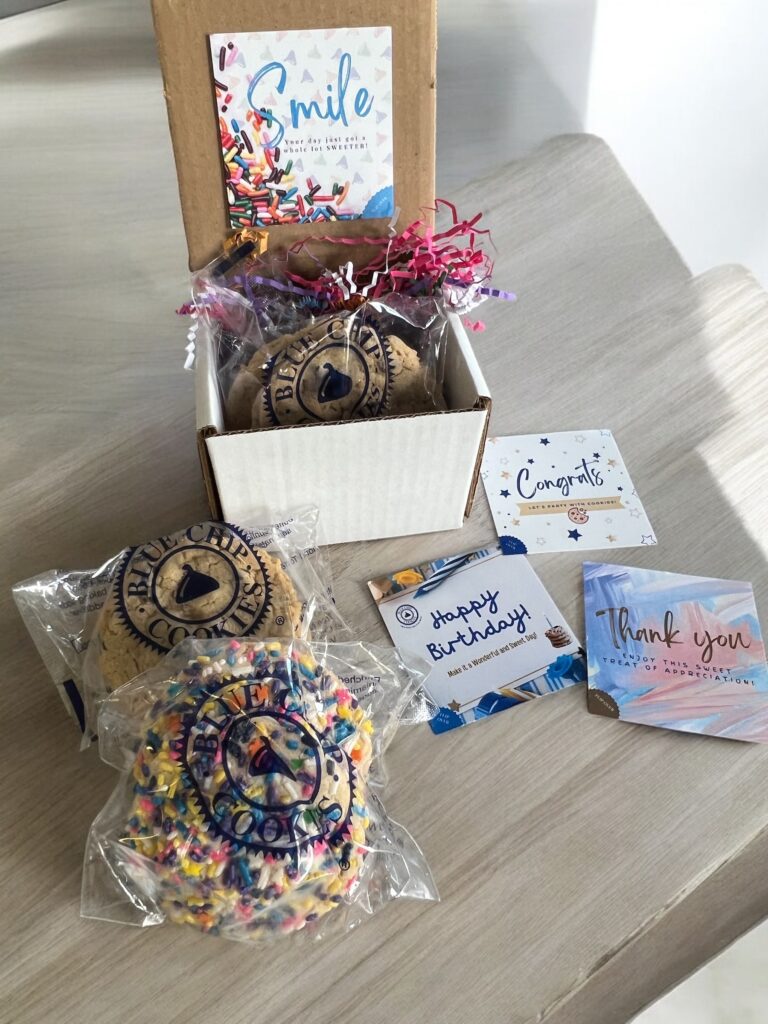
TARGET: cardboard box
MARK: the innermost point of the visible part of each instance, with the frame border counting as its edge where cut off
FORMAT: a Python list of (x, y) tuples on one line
[(182, 30), (370, 478)]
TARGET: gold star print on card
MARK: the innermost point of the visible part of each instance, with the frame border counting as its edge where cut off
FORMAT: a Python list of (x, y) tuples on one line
[(548, 487)]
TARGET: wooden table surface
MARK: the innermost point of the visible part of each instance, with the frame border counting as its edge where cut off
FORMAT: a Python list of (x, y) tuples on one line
[(585, 865)]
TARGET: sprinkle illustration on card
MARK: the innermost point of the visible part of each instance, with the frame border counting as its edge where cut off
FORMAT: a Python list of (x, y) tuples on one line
[(494, 637), (305, 123), (675, 651), (565, 491)]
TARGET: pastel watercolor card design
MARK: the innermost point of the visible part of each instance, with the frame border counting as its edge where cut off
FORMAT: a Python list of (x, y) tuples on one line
[(305, 122), (563, 491), (491, 633), (675, 651)]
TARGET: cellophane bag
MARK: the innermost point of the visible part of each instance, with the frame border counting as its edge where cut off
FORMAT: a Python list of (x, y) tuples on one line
[(283, 357), (297, 341), (250, 800), (382, 358), (97, 629)]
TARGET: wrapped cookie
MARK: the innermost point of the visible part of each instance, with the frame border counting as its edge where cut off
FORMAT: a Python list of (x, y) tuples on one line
[(296, 341), (249, 803), (374, 360), (96, 630)]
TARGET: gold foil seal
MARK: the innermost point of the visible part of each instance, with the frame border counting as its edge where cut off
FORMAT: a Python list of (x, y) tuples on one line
[(355, 301), (259, 237)]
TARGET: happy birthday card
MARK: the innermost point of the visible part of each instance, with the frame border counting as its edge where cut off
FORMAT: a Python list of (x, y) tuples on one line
[(675, 651), (305, 121), (563, 491), (486, 624)]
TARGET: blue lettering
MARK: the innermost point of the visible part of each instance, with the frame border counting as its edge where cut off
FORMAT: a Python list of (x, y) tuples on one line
[(363, 103), (266, 70), (308, 110), (488, 600), (523, 476), (586, 475), (516, 619), (334, 110), (345, 70)]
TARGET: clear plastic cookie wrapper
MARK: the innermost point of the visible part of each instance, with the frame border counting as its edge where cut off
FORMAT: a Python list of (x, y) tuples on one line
[(97, 629), (380, 358), (250, 800), (296, 343)]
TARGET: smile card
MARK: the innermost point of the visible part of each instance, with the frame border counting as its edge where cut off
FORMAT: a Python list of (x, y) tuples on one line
[(567, 491), (487, 626), (675, 651), (305, 122)]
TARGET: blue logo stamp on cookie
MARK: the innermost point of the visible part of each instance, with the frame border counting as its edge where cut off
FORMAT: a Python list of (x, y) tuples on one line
[(343, 373), (207, 581), (282, 788)]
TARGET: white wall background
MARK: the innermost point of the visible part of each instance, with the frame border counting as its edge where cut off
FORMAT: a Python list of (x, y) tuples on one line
[(678, 88)]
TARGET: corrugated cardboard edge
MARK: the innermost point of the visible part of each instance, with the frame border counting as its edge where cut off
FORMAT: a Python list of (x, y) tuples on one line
[(482, 403), (209, 480), (182, 28), (206, 389)]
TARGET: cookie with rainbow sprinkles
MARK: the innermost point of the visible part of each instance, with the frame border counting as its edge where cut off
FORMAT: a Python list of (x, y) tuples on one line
[(248, 815)]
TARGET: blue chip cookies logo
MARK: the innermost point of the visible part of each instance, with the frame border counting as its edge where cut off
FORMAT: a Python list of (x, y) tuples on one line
[(205, 582), (284, 787), (407, 615), (343, 374)]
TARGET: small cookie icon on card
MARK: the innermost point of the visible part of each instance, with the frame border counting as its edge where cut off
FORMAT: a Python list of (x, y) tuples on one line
[(578, 514)]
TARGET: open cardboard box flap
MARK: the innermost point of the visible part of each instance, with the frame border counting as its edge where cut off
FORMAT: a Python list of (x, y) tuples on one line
[(370, 478), (182, 28)]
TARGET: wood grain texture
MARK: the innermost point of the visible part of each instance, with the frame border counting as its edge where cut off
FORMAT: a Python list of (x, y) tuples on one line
[(584, 865)]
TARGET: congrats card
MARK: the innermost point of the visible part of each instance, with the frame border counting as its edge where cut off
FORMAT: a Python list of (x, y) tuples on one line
[(679, 652), (567, 491), (305, 120), (491, 632)]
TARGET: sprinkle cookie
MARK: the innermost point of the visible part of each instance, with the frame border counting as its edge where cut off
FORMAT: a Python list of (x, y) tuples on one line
[(206, 581), (248, 814)]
